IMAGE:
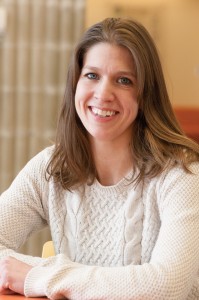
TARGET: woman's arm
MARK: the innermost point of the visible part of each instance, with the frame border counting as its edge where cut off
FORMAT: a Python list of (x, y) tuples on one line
[(21, 209), (12, 275)]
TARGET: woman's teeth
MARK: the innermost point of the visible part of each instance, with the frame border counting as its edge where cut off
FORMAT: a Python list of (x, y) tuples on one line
[(103, 113)]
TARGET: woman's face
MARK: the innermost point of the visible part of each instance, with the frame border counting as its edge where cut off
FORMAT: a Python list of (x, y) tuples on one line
[(106, 93)]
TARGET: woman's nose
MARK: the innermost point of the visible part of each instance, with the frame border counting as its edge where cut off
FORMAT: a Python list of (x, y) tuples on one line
[(104, 90)]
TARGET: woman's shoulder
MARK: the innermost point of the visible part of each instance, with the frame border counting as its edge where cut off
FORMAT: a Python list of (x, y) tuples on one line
[(178, 171), (179, 184), (175, 178), (36, 167), (46, 153), (42, 157)]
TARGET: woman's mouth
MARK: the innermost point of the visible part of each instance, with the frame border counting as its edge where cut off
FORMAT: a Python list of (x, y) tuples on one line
[(103, 113)]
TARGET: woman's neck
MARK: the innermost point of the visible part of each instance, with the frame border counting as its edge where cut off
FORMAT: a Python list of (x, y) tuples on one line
[(112, 162)]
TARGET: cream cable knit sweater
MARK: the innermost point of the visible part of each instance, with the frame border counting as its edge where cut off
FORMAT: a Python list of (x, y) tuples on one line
[(116, 242)]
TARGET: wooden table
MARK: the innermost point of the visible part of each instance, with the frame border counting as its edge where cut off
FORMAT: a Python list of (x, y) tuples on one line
[(18, 297)]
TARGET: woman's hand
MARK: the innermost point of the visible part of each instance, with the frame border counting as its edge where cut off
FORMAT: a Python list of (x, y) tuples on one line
[(12, 275)]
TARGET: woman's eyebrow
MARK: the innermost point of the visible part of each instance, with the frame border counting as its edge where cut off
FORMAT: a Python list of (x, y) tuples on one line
[(121, 72)]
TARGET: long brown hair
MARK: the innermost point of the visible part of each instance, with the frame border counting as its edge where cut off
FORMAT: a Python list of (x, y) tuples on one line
[(157, 138)]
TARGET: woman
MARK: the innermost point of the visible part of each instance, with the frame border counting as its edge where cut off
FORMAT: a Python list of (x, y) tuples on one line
[(119, 189)]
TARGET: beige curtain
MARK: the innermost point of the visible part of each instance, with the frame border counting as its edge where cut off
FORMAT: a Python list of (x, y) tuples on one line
[(35, 47)]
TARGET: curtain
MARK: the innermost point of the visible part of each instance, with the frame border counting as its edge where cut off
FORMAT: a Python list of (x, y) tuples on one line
[(35, 48)]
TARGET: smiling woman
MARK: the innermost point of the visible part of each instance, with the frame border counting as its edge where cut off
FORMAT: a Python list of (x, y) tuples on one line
[(119, 189)]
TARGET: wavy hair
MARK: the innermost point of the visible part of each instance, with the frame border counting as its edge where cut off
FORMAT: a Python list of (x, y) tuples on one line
[(157, 139)]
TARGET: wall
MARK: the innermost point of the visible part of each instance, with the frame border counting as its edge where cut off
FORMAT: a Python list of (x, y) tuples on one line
[(175, 28)]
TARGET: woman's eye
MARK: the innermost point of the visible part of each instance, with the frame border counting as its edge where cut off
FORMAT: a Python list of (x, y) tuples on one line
[(124, 80), (91, 76)]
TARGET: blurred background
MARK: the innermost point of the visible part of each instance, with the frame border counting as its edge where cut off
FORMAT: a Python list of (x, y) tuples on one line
[(36, 41)]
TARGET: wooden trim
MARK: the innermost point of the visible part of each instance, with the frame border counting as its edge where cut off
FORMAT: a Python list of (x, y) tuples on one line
[(188, 118)]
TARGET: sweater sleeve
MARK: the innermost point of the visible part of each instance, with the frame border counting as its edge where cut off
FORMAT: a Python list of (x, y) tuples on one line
[(21, 208), (170, 274)]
